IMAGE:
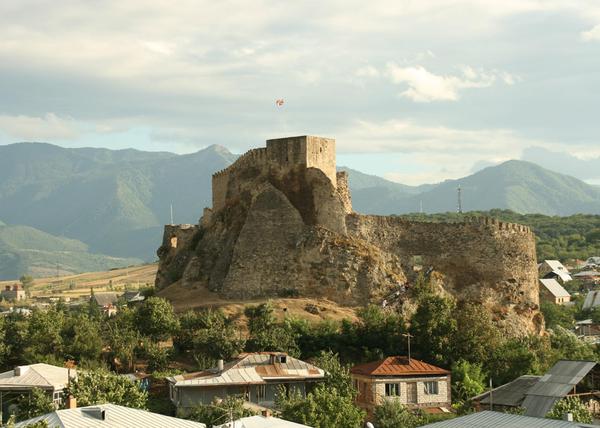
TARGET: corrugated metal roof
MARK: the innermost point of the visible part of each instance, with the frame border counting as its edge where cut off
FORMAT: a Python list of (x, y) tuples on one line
[(106, 299), (116, 417), (262, 422), (592, 299), (254, 368), (554, 287), (398, 366), (40, 375), (510, 394), (554, 385), (488, 419)]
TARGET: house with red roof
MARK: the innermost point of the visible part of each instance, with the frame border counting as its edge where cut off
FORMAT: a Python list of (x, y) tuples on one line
[(414, 383)]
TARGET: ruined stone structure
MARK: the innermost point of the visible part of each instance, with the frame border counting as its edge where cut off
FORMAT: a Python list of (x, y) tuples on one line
[(282, 225)]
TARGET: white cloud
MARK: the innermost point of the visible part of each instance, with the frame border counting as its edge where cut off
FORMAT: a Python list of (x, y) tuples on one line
[(591, 35), (425, 86), (33, 128)]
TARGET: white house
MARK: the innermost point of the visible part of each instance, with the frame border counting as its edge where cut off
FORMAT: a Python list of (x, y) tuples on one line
[(256, 376), (554, 269), (552, 291)]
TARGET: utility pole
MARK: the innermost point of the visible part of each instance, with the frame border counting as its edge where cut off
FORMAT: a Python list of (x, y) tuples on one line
[(491, 396), (408, 336), (459, 206)]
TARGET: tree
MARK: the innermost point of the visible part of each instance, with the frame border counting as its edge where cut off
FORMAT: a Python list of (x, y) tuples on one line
[(433, 327), (26, 282), (571, 405), (476, 335), (158, 357), (557, 315), (81, 338), (468, 380), (337, 376), (122, 338), (322, 408), (36, 403), (392, 414), (156, 319), (101, 386), (44, 341), (220, 411), (265, 333)]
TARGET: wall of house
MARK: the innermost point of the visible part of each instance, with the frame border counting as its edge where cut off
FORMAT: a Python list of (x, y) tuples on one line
[(372, 391)]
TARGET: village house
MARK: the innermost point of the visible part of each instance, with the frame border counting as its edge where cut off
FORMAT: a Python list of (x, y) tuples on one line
[(414, 383), (537, 394), (588, 277), (107, 302), (23, 379), (592, 263), (551, 291), (257, 377), (588, 330), (109, 416), (13, 293), (554, 269)]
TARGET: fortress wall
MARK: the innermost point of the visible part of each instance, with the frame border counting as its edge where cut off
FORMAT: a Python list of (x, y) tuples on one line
[(479, 254), (344, 190), (320, 153), (287, 152)]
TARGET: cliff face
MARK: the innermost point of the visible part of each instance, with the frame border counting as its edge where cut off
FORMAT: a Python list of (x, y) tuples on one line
[(285, 231)]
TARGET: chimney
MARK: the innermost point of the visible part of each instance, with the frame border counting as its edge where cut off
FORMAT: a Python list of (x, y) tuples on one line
[(220, 366), (95, 412), (21, 370), (568, 417), (7, 288), (71, 402), (266, 413)]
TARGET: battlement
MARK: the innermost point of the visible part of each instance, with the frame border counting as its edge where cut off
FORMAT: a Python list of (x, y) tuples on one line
[(279, 154)]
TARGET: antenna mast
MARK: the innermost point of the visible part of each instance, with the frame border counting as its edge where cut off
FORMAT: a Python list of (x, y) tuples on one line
[(171, 214), (459, 206)]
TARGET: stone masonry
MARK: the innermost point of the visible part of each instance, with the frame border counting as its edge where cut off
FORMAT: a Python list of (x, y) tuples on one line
[(282, 225)]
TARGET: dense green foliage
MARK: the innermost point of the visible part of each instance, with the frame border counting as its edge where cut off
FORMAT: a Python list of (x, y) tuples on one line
[(220, 411), (563, 238), (36, 403), (573, 405), (392, 414), (101, 386)]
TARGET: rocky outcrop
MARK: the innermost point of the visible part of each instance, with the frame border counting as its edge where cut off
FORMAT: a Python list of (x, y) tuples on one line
[(285, 229)]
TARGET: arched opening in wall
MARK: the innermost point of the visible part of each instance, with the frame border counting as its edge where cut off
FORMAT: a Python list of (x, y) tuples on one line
[(173, 242)]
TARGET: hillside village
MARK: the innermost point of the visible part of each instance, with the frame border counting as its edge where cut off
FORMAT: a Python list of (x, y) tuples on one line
[(385, 321)]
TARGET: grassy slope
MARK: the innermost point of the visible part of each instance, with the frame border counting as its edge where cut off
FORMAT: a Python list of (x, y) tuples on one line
[(24, 249)]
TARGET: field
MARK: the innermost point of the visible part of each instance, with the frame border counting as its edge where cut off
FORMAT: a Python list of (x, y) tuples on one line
[(182, 298)]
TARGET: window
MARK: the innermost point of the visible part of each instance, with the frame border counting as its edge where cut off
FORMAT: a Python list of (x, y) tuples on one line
[(261, 392), (57, 397), (392, 389), (431, 388)]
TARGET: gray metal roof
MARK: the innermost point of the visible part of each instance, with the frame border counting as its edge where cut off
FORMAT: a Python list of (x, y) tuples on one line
[(554, 385), (592, 299), (262, 422), (511, 394), (489, 419), (115, 417), (39, 375)]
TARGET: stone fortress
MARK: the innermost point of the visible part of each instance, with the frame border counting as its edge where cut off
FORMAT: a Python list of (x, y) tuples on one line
[(282, 225)]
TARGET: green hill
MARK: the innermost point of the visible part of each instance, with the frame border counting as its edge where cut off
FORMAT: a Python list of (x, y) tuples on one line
[(519, 186), (25, 250)]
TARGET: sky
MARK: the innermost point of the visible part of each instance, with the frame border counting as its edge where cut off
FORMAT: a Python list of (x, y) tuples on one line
[(414, 91)]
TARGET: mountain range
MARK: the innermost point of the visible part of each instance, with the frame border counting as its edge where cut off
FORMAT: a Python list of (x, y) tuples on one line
[(98, 208)]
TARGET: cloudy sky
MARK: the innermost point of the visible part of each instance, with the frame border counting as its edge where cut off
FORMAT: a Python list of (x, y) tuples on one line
[(416, 91)]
